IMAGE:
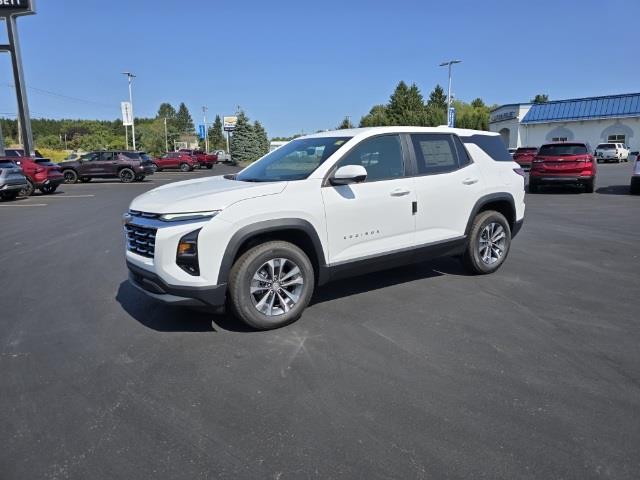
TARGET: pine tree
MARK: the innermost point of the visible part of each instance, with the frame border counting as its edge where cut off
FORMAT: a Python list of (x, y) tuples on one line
[(377, 117), (346, 123), (438, 99), (184, 122), (245, 146), (166, 110), (261, 137), (216, 135)]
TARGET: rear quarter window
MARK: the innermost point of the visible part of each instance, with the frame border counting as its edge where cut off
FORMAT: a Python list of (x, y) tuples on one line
[(492, 145)]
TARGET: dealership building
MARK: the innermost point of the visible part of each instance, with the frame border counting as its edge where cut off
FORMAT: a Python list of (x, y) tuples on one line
[(613, 118)]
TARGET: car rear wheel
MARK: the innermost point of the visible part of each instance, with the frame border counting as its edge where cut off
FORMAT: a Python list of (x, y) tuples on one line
[(28, 190), (270, 285), (489, 243), (48, 189), (184, 167), (126, 175), (8, 195), (589, 186), (70, 176)]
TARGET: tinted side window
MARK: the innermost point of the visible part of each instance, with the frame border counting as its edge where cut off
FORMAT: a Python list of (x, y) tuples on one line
[(380, 156), (492, 146), (106, 156), (463, 156), (435, 153)]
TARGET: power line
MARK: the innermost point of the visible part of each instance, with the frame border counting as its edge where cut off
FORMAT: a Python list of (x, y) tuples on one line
[(67, 97)]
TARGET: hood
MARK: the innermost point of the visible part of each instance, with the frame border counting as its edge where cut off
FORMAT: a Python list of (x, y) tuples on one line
[(212, 193)]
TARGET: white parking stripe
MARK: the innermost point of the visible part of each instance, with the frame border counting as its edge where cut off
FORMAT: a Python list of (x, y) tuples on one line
[(23, 205), (64, 195)]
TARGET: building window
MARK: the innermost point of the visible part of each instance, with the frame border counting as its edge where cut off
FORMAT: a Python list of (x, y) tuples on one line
[(617, 139), (559, 139)]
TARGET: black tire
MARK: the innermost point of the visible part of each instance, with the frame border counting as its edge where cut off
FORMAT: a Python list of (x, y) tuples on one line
[(126, 175), (481, 227), (634, 188), (589, 187), (533, 187), (156, 167), (85, 179), (209, 166), (9, 195), (70, 176), (184, 167), (48, 189), (29, 189), (244, 304)]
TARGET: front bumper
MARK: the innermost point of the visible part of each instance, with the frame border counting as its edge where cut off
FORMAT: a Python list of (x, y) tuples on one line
[(153, 286)]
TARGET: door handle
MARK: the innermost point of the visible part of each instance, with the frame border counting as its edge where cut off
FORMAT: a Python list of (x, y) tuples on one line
[(470, 181), (400, 192)]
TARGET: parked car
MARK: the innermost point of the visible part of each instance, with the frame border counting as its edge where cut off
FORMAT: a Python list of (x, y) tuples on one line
[(524, 156), (12, 180), (182, 161), (322, 207), (611, 152), (567, 163), (634, 188), (42, 174), (223, 157), (204, 159), (125, 165)]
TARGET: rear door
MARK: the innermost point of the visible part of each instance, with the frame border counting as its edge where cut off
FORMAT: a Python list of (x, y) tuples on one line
[(566, 159), (447, 184)]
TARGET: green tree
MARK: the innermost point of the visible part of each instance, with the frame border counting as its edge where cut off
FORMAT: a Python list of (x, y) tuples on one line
[(184, 122), (478, 103), (540, 98), (346, 123), (166, 110), (216, 135), (245, 146), (261, 137), (377, 117)]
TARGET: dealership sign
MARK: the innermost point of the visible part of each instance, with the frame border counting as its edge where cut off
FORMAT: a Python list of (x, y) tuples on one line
[(229, 123), (16, 7), (501, 116)]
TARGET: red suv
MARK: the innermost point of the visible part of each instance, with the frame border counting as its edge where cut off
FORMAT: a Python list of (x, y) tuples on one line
[(180, 160), (204, 159), (42, 174), (568, 163), (524, 156)]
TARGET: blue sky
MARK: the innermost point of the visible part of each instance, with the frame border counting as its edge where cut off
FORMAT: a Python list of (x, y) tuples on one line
[(303, 66)]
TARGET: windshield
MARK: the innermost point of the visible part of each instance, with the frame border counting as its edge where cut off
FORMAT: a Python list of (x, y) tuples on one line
[(295, 160), (562, 150)]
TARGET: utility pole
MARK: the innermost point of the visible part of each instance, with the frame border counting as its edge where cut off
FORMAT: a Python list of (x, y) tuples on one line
[(206, 130), (166, 137), (448, 64), (133, 128), (126, 137)]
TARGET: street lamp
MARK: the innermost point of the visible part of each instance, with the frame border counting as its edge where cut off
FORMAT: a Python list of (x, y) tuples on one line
[(448, 64), (133, 127)]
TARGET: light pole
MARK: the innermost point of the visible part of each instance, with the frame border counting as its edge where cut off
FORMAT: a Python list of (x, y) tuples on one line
[(133, 127), (448, 64), (166, 137), (206, 132)]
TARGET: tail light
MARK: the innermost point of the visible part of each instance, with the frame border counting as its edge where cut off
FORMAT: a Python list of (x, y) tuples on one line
[(519, 171)]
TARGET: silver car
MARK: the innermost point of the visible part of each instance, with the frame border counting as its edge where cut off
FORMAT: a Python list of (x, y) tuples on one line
[(11, 180)]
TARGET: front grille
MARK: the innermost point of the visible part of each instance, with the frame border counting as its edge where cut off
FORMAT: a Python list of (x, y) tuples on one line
[(141, 240)]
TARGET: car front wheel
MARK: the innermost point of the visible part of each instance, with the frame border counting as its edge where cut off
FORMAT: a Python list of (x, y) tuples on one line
[(489, 242), (270, 285)]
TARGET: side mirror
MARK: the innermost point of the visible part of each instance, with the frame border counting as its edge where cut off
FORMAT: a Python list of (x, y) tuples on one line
[(349, 174)]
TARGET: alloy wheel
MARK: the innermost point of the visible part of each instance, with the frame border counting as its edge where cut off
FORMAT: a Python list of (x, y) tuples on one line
[(276, 286), (491, 243)]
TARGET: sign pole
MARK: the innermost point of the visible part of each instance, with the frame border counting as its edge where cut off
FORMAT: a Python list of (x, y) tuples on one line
[(21, 92)]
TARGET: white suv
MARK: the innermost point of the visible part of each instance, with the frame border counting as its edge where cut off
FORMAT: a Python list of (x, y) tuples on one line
[(323, 207), (616, 152)]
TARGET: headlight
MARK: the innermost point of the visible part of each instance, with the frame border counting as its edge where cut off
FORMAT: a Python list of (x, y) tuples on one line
[(178, 217)]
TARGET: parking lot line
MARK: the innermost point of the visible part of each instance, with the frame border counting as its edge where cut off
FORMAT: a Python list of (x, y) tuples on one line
[(70, 196), (21, 205)]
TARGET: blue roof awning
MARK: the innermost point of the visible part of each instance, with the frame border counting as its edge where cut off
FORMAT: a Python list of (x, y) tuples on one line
[(585, 109)]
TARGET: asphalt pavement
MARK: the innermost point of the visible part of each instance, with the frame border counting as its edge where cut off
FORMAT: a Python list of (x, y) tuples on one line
[(422, 372)]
